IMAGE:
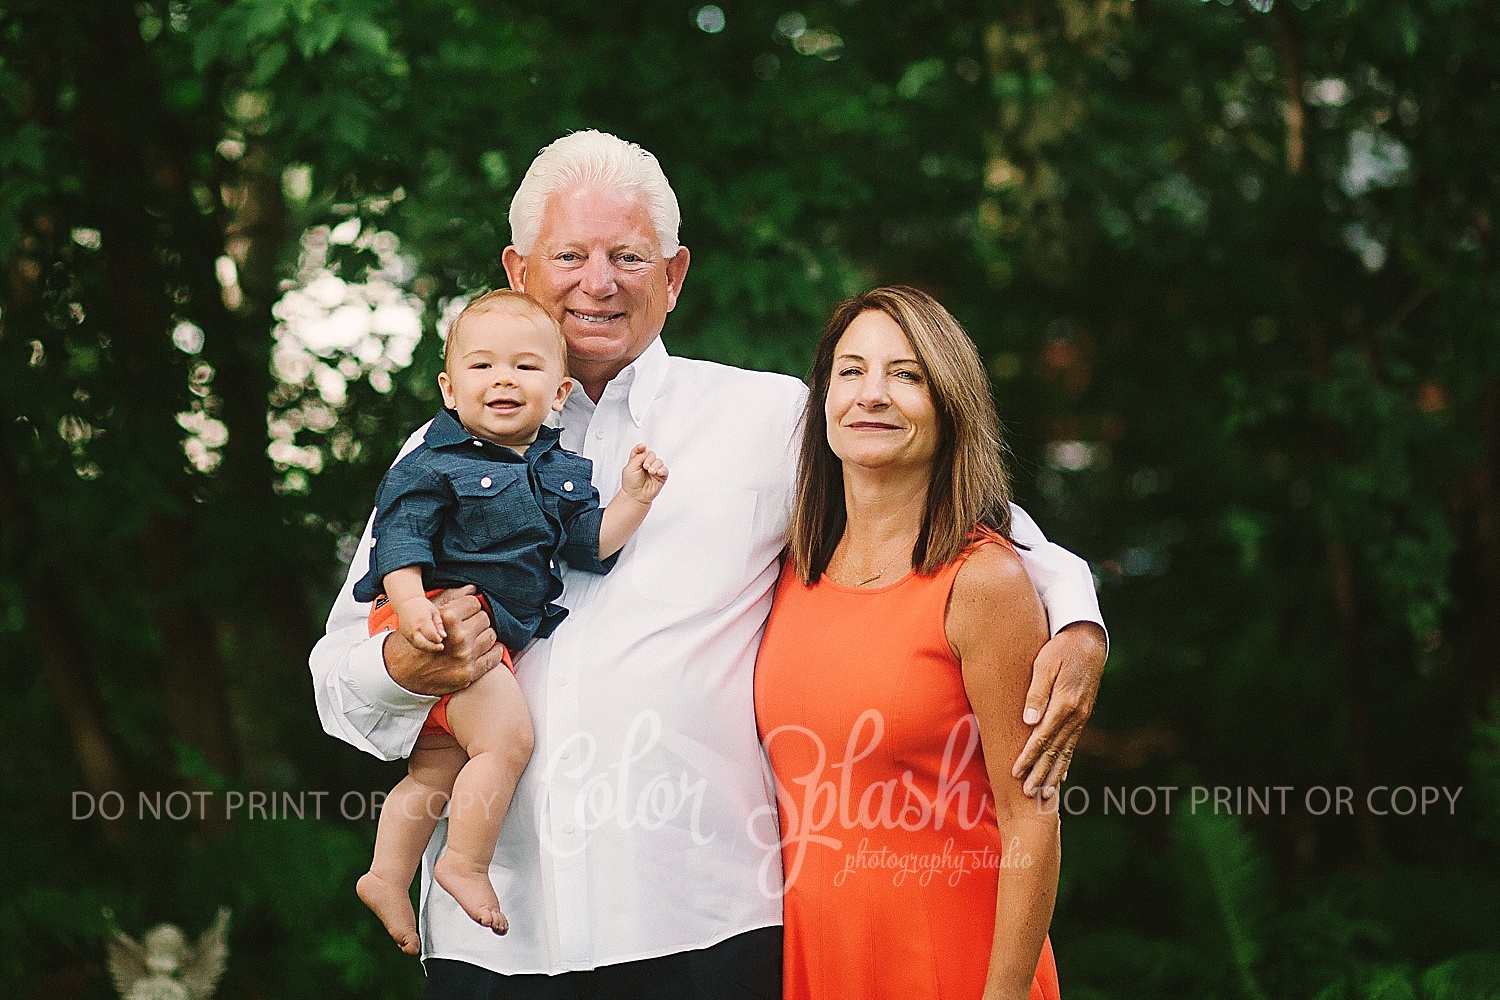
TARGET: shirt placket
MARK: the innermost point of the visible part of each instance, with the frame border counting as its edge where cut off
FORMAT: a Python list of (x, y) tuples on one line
[(569, 838)]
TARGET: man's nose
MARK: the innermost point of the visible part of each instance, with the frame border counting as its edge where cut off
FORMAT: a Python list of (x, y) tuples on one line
[(598, 277)]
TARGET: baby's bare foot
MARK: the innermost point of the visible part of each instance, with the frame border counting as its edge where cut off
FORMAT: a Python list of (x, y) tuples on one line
[(392, 904), (469, 883)]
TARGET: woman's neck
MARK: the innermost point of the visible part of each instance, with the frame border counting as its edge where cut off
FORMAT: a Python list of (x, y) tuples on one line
[(885, 509)]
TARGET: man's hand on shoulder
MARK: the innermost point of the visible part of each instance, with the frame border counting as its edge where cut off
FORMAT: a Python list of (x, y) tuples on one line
[(469, 648), (1064, 683)]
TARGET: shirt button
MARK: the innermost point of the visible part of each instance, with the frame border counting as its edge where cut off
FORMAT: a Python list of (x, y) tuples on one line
[(566, 754), (568, 486), (485, 482), (478, 443), (567, 828), (562, 682), (597, 434)]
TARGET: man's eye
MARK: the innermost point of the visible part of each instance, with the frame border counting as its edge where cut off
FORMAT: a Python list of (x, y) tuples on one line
[(568, 258), (631, 258)]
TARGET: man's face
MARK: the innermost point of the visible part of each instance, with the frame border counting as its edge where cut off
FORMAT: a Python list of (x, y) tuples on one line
[(597, 266)]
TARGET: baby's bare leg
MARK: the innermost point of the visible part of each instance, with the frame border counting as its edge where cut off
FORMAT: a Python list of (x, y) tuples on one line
[(490, 719), (407, 819)]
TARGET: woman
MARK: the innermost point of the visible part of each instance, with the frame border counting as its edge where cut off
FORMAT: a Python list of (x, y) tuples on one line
[(892, 677)]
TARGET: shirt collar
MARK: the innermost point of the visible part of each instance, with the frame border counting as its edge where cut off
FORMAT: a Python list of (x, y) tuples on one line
[(639, 382), (446, 431), (649, 370)]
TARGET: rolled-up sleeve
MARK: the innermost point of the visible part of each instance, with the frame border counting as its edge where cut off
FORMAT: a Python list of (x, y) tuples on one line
[(580, 548), (357, 700), (1062, 580)]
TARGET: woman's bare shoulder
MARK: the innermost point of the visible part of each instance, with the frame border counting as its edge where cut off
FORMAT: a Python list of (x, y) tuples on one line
[(993, 572), (992, 593)]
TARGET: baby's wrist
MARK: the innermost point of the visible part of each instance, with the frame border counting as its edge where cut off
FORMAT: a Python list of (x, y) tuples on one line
[(644, 502)]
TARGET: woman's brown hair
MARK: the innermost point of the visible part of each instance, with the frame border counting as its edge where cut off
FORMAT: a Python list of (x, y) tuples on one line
[(969, 487)]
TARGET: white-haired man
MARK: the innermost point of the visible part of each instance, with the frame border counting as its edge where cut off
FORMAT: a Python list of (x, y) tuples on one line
[(640, 855)]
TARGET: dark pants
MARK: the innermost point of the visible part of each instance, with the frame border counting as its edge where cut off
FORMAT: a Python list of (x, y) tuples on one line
[(745, 966)]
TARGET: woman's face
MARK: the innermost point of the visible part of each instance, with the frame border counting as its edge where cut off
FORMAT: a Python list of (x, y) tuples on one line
[(879, 409)]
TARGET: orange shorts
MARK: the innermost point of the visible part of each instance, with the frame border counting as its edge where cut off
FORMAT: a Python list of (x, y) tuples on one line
[(383, 618)]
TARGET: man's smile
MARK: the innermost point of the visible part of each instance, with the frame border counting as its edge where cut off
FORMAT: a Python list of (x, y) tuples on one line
[(595, 317)]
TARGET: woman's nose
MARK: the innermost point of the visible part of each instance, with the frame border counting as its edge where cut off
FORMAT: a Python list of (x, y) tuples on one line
[(872, 391)]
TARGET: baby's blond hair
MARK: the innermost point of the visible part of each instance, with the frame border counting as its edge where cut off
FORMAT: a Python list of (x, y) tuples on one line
[(511, 303)]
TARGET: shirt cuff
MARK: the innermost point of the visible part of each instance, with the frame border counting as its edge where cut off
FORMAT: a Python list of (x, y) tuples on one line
[(388, 702)]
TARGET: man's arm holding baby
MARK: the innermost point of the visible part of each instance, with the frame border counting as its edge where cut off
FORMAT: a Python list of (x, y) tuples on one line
[(374, 692)]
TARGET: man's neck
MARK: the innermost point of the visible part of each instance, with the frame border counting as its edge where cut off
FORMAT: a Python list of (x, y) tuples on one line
[(594, 377)]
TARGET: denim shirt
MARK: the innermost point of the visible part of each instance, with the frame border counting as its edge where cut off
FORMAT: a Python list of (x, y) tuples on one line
[(469, 511)]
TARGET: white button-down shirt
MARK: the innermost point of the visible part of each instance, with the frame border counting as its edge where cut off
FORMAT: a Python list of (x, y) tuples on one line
[(645, 823)]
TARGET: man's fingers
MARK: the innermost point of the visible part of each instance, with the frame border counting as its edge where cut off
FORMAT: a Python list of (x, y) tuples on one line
[(1043, 677), (1047, 744), (1040, 708), (491, 659), (460, 609), (453, 594), (1059, 769)]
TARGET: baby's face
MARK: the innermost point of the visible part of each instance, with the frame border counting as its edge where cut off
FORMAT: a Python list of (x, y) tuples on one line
[(504, 375)]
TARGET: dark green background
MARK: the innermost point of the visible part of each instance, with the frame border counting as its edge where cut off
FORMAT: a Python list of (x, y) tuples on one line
[(1233, 266)]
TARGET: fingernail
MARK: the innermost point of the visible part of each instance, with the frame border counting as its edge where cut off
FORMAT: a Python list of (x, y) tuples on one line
[(1031, 716), (1049, 791)]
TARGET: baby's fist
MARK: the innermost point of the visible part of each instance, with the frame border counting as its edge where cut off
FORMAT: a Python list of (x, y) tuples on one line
[(644, 474), (422, 625)]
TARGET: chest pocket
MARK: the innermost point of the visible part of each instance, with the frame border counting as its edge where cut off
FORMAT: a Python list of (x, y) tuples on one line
[(558, 493), (494, 502)]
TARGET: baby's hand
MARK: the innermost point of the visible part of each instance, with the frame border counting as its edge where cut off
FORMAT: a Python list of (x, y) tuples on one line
[(422, 625), (644, 474)]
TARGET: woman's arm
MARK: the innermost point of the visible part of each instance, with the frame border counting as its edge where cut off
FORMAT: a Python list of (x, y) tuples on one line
[(996, 625)]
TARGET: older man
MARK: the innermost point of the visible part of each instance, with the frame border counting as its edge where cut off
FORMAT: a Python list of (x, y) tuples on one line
[(640, 855)]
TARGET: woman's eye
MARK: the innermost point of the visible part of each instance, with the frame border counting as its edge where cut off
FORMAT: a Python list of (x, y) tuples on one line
[(910, 376), (848, 372)]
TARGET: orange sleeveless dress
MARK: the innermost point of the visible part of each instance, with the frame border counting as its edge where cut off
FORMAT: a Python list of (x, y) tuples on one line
[(890, 850)]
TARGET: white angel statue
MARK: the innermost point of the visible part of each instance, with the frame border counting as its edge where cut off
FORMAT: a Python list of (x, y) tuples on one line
[(163, 967)]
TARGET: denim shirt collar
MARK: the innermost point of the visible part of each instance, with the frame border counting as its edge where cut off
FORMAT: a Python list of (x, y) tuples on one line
[(447, 432)]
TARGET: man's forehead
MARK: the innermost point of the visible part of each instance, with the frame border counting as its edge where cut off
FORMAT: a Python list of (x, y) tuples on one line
[(595, 215)]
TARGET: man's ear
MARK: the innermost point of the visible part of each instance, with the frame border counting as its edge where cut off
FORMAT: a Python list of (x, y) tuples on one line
[(515, 268), (677, 268), (563, 389)]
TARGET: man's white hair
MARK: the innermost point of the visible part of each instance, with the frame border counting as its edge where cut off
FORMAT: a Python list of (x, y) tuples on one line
[(593, 159)]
